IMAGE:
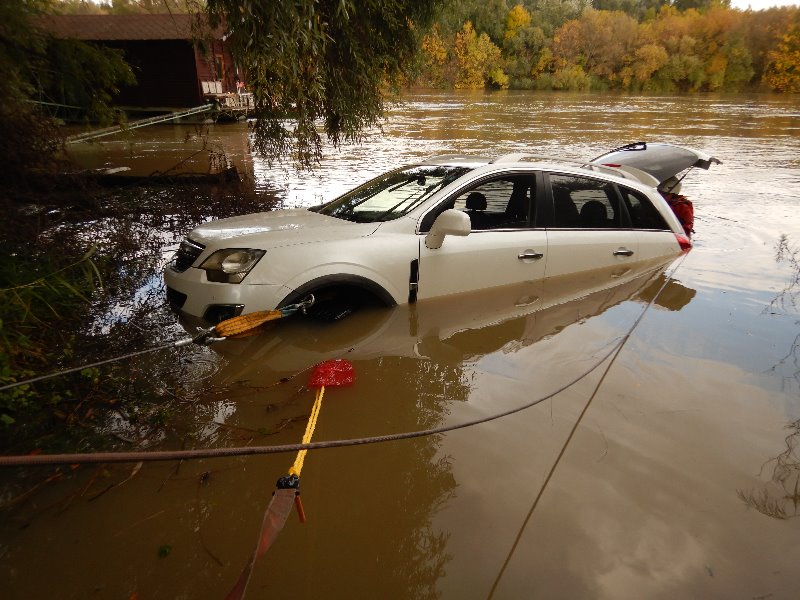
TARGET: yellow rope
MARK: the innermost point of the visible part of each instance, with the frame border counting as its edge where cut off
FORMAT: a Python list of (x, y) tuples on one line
[(312, 423)]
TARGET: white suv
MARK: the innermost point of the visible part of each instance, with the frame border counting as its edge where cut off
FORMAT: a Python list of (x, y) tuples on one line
[(448, 225)]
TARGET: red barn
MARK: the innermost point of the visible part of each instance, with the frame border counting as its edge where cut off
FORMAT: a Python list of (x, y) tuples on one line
[(177, 63)]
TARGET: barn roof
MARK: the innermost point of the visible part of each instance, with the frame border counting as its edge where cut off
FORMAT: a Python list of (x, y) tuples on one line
[(124, 27)]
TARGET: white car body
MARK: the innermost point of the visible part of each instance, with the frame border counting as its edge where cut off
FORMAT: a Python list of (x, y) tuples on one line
[(434, 244)]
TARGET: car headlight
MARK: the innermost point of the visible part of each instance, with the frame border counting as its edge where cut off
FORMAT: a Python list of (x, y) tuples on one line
[(231, 265)]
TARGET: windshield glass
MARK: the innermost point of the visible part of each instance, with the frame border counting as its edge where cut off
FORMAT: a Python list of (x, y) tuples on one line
[(392, 195)]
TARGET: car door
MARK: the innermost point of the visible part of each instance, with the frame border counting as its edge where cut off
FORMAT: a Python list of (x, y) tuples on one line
[(502, 249), (587, 227)]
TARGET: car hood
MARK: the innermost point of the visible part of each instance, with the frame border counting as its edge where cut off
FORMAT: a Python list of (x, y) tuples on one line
[(278, 228), (662, 161)]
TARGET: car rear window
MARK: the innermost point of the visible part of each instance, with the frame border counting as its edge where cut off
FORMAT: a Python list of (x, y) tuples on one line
[(642, 212)]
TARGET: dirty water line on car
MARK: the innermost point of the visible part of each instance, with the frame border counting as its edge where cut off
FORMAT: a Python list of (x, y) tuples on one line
[(614, 354)]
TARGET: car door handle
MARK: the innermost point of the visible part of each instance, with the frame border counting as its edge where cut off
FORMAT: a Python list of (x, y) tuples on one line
[(623, 252), (530, 255)]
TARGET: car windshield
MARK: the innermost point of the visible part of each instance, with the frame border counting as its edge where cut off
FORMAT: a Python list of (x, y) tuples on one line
[(392, 195)]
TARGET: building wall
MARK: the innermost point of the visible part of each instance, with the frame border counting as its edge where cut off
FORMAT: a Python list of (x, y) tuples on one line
[(166, 73), (216, 64)]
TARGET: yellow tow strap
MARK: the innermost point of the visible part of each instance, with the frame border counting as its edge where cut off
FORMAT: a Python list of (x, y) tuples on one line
[(245, 325), (329, 373), (312, 423)]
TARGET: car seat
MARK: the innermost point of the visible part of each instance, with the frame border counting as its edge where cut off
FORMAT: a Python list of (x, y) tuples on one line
[(517, 209), (594, 214), (474, 207), (564, 209)]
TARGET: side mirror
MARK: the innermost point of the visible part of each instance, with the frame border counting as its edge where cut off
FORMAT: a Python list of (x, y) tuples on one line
[(450, 222)]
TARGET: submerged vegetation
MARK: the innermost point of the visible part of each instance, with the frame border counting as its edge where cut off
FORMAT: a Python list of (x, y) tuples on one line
[(82, 285)]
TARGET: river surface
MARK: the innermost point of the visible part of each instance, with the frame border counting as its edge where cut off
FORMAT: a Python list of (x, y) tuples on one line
[(680, 480)]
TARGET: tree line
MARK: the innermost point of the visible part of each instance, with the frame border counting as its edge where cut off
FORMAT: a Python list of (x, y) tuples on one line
[(633, 45), (636, 46)]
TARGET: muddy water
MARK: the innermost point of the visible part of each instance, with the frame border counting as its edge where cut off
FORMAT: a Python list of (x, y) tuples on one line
[(678, 482)]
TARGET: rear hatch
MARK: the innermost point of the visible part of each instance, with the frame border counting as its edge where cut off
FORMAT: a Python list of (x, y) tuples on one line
[(662, 161)]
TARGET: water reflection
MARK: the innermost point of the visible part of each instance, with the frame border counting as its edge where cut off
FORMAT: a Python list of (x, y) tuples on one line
[(446, 335), (788, 299), (780, 499)]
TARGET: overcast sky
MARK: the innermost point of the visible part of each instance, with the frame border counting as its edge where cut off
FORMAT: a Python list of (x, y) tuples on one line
[(761, 4)]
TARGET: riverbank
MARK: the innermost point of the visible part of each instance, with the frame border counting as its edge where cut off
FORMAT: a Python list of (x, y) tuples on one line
[(78, 286)]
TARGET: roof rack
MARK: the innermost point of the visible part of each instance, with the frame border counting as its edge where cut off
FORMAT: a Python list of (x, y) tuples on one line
[(456, 159), (622, 172)]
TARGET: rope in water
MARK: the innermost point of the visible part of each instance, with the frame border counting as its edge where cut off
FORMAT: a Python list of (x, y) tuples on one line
[(99, 363), (575, 426), (166, 455), (329, 373)]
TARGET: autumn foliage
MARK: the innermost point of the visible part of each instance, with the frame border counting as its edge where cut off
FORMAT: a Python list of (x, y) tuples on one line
[(783, 70), (529, 46)]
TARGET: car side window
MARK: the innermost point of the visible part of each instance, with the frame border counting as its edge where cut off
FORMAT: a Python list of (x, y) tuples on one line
[(584, 203), (502, 203), (641, 210)]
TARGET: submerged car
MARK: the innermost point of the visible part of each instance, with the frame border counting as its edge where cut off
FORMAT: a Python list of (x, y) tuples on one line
[(447, 225)]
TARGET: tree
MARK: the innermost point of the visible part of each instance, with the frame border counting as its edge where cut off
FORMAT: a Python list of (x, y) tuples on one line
[(599, 41), (486, 16), (478, 60), (762, 31), (701, 5), (328, 61), (639, 9), (25, 140), (523, 44), (518, 19), (783, 71), (34, 68), (647, 59), (728, 62), (552, 14), (434, 58)]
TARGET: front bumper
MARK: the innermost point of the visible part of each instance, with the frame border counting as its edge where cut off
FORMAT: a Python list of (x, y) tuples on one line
[(191, 293)]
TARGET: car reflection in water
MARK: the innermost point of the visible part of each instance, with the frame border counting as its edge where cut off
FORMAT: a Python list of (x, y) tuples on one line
[(455, 329), (415, 367)]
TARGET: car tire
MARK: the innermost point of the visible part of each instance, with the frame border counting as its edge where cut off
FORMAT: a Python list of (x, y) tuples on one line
[(331, 310)]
